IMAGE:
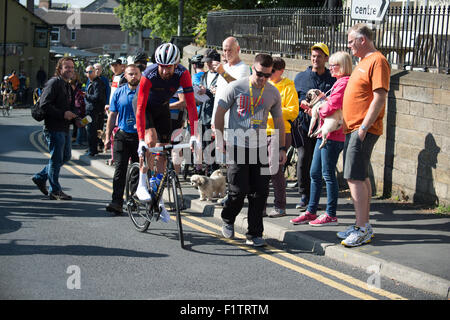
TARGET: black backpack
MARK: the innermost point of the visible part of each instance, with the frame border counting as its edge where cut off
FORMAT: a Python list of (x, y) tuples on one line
[(37, 112)]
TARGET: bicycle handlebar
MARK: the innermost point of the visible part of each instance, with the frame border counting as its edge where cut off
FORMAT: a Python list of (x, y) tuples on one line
[(169, 147)]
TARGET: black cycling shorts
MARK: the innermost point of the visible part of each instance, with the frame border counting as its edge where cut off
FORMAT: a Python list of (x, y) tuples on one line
[(158, 117)]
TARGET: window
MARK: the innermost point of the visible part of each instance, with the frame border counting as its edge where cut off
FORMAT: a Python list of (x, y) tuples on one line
[(73, 34), (134, 39), (54, 35), (40, 37), (12, 49)]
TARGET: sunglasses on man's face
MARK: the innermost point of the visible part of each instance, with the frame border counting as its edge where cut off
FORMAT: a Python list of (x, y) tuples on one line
[(262, 74), (90, 71)]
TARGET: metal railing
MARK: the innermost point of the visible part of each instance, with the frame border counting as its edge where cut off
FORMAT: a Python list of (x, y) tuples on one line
[(418, 37)]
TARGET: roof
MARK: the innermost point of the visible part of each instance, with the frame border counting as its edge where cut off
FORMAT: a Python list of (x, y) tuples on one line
[(72, 52), (102, 6), (61, 17), (31, 13)]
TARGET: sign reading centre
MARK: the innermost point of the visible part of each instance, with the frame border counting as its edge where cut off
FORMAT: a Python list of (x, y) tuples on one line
[(370, 10)]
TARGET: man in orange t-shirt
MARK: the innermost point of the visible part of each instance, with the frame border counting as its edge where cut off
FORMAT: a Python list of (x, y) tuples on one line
[(14, 79), (15, 82), (363, 110)]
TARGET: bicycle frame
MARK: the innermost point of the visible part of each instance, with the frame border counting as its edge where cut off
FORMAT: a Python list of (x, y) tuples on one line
[(166, 149), (150, 211)]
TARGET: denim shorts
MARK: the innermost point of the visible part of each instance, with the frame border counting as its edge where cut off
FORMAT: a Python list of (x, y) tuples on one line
[(357, 155)]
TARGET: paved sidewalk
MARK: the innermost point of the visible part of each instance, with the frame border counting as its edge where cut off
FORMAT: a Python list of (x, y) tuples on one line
[(410, 245)]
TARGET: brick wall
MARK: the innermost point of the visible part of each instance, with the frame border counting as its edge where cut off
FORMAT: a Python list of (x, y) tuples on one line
[(411, 160)]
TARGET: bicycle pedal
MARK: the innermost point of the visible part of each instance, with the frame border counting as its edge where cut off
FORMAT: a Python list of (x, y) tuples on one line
[(132, 205)]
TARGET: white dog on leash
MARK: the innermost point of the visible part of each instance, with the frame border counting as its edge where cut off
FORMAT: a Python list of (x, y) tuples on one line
[(317, 100), (210, 187)]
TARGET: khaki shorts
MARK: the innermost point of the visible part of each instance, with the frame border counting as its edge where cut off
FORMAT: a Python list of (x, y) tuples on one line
[(357, 155)]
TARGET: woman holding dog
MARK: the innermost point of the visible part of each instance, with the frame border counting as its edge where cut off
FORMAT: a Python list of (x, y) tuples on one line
[(325, 159)]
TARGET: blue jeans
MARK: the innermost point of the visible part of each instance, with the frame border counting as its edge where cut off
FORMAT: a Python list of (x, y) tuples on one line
[(81, 136), (324, 165), (59, 145)]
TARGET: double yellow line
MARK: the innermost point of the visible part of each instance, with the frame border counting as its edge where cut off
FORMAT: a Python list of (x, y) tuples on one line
[(270, 253)]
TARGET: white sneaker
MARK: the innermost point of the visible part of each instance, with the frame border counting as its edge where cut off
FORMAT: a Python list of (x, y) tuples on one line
[(164, 215), (357, 238), (143, 194), (344, 234)]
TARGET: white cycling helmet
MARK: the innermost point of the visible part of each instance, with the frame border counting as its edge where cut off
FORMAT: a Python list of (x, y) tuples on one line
[(167, 54)]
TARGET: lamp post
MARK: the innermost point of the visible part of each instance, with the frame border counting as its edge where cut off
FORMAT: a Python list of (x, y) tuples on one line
[(5, 18), (180, 17)]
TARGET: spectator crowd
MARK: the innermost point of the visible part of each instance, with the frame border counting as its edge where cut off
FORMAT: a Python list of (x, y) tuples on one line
[(249, 116)]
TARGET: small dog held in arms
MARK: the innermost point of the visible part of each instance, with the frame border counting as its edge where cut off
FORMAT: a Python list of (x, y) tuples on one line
[(210, 187), (316, 99)]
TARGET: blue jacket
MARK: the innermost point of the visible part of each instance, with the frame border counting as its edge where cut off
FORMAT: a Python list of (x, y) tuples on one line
[(306, 80)]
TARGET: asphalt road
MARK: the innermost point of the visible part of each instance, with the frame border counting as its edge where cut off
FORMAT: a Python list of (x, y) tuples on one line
[(54, 250)]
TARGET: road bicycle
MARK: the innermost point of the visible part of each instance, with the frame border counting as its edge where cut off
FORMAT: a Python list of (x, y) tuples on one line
[(7, 105), (6, 110), (144, 213)]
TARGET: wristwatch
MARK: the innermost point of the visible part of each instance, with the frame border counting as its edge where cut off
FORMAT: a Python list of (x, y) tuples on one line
[(224, 74), (364, 127), (283, 148)]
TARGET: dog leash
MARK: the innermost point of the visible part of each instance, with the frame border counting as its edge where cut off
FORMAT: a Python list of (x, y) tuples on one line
[(324, 95)]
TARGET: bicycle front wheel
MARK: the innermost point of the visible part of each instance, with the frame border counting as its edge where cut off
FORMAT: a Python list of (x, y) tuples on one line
[(175, 203), (137, 211), (170, 204)]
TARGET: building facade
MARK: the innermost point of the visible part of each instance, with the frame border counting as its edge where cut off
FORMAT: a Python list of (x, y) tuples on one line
[(94, 28), (26, 47)]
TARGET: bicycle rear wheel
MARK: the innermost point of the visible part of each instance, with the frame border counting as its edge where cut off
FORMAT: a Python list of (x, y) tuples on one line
[(137, 211), (175, 196)]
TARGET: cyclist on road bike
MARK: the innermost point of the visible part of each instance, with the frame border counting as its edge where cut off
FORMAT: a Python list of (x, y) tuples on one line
[(6, 91), (158, 84)]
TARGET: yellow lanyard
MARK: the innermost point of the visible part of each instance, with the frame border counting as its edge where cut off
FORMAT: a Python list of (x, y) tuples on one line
[(251, 97)]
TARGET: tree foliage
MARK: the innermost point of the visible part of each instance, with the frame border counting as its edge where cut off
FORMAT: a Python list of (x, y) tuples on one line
[(161, 16)]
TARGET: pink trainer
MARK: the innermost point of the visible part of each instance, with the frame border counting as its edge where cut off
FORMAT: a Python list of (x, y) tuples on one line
[(304, 218), (324, 219)]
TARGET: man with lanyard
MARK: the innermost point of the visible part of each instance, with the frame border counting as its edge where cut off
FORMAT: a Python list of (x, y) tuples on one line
[(157, 85), (126, 139), (249, 102)]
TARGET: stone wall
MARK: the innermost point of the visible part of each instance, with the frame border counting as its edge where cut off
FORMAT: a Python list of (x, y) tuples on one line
[(411, 160)]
